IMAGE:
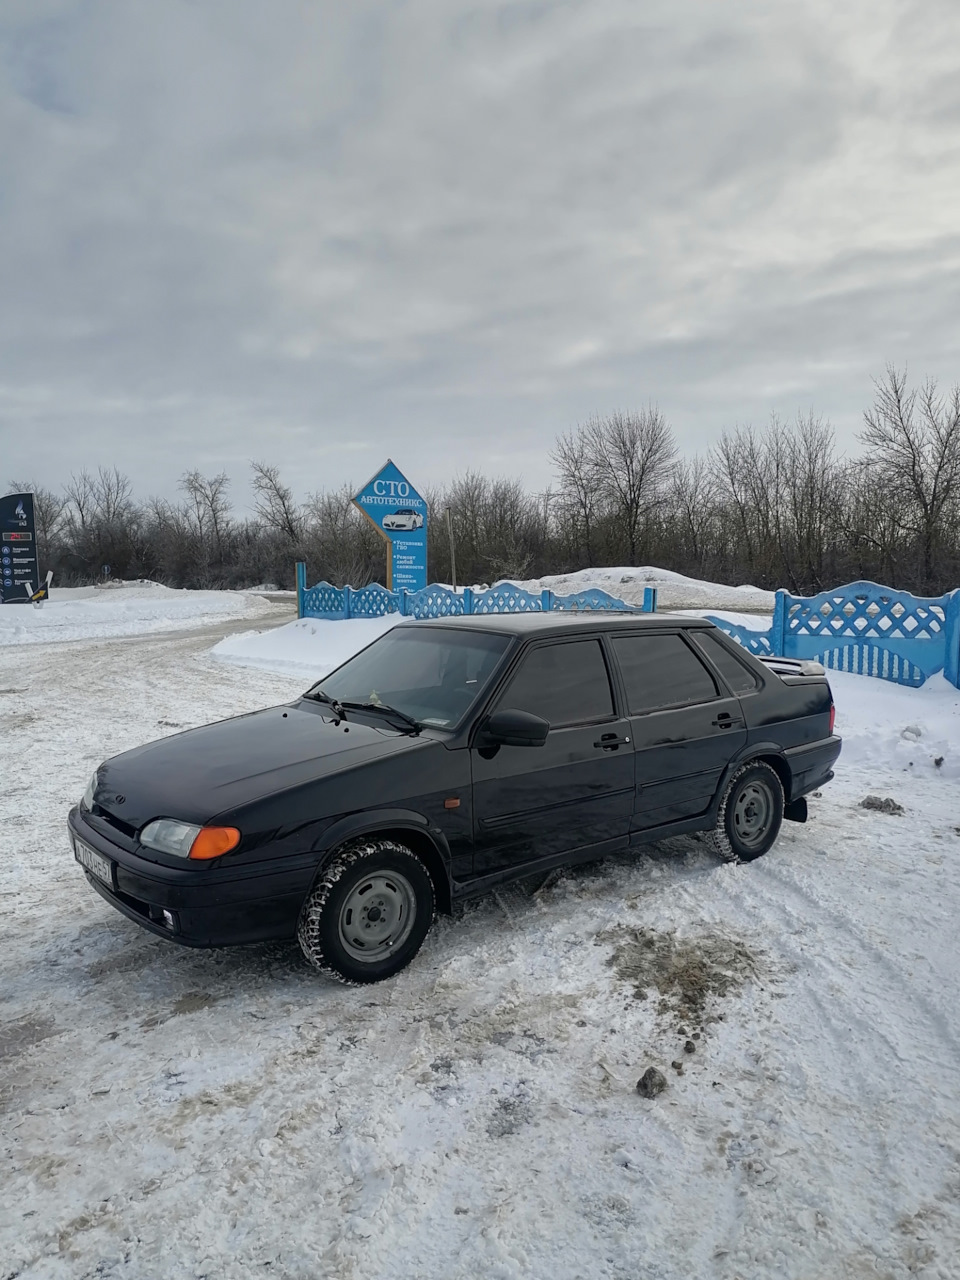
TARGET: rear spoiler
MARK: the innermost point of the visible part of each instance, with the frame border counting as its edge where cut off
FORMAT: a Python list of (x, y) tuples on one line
[(794, 666)]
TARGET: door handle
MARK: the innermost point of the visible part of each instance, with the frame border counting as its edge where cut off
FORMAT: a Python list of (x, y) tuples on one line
[(610, 742), (726, 721)]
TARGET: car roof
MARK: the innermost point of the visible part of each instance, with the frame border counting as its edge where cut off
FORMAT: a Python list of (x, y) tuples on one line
[(557, 623)]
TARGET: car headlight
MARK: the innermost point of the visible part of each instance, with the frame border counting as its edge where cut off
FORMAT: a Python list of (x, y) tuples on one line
[(185, 840), (86, 801), (169, 836)]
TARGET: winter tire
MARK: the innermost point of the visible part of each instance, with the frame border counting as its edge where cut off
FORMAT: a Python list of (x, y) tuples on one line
[(750, 813), (368, 912)]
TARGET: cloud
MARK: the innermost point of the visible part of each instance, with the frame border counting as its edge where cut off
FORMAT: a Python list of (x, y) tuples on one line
[(447, 231)]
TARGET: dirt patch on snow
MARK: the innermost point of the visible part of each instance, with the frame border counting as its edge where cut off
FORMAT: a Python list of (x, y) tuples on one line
[(19, 1036), (511, 1113), (685, 971)]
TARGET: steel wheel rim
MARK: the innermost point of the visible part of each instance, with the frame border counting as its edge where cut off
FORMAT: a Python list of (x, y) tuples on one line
[(377, 916), (752, 813)]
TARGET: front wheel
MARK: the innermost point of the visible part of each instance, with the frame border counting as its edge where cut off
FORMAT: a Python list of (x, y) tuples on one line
[(750, 813), (368, 913)]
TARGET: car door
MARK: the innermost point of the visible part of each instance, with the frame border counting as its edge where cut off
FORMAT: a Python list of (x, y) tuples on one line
[(574, 791), (685, 726)]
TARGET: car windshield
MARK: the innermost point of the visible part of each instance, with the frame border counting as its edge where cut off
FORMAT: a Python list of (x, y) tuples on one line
[(432, 674)]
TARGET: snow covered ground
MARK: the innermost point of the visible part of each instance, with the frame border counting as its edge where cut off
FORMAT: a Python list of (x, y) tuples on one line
[(123, 609), (167, 1112)]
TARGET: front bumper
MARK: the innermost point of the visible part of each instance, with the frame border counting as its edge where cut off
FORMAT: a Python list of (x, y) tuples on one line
[(199, 907)]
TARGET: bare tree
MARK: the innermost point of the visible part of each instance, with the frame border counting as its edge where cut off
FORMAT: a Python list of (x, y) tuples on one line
[(111, 491), (693, 509), (340, 542), (579, 492), (914, 442), (103, 522), (869, 522), (275, 504), (210, 509), (617, 470), (744, 471), (79, 501), (811, 500)]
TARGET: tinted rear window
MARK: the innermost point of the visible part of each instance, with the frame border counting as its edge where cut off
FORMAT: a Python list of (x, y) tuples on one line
[(563, 683), (738, 676), (662, 671)]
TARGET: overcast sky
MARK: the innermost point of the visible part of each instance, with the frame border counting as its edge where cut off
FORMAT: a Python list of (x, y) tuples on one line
[(323, 232)]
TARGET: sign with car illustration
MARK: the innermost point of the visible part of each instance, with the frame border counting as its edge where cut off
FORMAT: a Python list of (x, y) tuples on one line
[(399, 515), (19, 570)]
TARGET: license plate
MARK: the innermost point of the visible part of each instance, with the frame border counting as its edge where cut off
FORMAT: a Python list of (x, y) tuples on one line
[(94, 862)]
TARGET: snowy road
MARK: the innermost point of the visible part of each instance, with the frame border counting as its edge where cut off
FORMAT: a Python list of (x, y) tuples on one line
[(167, 1112)]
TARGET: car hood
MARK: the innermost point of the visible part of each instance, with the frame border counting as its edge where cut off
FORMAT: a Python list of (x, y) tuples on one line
[(205, 772)]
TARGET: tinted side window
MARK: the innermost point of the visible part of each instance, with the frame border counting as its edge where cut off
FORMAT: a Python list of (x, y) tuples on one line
[(563, 683), (738, 676), (661, 671)]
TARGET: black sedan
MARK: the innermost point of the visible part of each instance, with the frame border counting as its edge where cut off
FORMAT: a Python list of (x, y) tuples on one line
[(444, 759)]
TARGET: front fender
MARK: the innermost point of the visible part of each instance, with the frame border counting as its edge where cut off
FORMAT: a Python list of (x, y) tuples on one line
[(428, 840), (356, 824)]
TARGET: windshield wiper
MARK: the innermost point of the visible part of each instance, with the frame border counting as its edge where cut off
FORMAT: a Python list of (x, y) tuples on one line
[(320, 696), (387, 710)]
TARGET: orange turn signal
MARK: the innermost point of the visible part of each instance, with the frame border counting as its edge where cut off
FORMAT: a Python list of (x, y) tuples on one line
[(211, 842)]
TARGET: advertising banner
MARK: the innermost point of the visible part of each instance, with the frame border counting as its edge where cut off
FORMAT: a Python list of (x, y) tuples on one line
[(399, 514), (19, 570)]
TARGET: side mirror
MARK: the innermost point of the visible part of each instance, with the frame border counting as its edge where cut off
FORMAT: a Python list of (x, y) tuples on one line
[(513, 728)]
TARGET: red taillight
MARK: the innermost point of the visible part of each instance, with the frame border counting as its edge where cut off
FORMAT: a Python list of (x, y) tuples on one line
[(833, 716)]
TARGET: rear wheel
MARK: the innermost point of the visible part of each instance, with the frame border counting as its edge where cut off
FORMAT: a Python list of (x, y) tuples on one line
[(368, 913), (750, 813)]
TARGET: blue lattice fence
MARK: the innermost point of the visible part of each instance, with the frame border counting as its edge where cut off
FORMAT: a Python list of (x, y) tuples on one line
[(435, 602), (375, 601), (506, 598), (862, 627), (594, 598), (865, 628), (321, 601), (757, 642)]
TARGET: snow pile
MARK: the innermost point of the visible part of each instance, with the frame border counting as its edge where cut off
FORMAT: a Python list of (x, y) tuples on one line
[(888, 729), (122, 609), (674, 591), (309, 648)]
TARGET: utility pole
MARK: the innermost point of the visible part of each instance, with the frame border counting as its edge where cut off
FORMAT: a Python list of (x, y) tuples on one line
[(453, 554)]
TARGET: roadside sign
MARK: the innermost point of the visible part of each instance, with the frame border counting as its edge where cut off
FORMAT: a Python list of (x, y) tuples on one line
[(399, 515), (19, 570)]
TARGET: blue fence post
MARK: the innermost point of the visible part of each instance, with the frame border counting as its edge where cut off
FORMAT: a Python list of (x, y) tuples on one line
[(779, 628), (468, 600), (546, 600), (301, 586), (402, 601), (346, 601), (951, 640), (649, 599)]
